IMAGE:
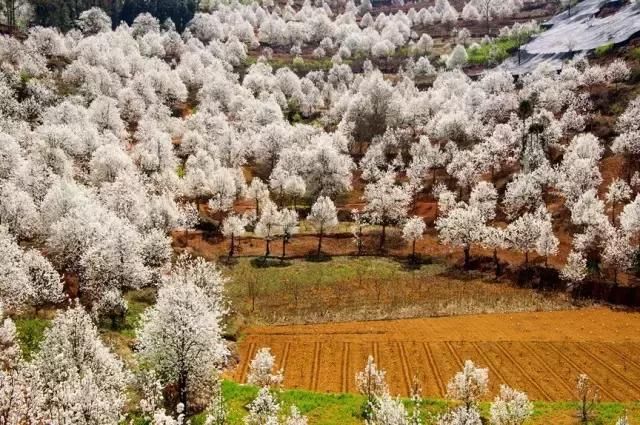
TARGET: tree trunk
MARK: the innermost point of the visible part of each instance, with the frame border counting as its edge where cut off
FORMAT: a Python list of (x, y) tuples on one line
[(488, 24), (284, 247), (11, 14), (231, 247), (467, 256), (526, 258), (613, 213), (496, 261), (519, 54), (182, 389), (413, 250), (383, 235), (268, 251), (320, 241)]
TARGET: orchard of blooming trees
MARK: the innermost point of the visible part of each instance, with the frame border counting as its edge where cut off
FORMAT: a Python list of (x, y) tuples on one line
[(114, 140)]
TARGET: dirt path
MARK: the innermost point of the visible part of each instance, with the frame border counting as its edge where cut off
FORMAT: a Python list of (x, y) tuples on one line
[(540, 353)]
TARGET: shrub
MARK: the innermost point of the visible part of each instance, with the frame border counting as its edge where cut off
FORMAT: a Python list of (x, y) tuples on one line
[(604, 49)]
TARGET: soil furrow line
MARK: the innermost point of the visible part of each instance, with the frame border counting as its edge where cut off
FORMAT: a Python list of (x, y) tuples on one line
[(549, 369), (434, 368), (490, 364), (566, 358), (315, 366), (454, 354), (285, 356), (604, 364), (522, 371), (245, 367), (620, 354), (345, 366), (405, 366)]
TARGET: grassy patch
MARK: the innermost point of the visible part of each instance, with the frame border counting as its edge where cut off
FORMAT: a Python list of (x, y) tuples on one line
[(344, 409), (365, 288), (565, 412), (493, 52), (180, 171), (138, 302), (30, 334), (309, 273), (121, 336), (320, 408), (403, 52), (323, 64), (604, 49), (309, 64)]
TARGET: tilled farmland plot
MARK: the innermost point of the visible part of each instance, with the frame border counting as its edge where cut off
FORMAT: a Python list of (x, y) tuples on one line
[(540, 353)]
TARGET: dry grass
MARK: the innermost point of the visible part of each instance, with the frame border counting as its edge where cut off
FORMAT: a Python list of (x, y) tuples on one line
[(370, 288)]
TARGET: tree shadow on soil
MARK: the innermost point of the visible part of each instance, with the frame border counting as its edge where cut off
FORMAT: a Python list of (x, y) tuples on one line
[(266, 262), (314, 257), (225, 260), (414, 263)]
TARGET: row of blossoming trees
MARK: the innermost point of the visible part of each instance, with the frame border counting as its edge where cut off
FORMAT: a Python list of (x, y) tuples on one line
[(466, 389)]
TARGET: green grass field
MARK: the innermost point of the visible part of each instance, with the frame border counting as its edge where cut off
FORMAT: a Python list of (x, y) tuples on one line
[(344, 409)]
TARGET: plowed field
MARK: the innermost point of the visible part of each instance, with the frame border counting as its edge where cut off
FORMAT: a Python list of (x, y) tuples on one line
[(540, 353)]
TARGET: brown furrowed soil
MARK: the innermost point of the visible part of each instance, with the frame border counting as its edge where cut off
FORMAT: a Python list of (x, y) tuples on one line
[(540, 353)]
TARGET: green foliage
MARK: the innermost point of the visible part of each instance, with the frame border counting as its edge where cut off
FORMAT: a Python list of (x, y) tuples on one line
[(293, 112), (30, 334), (180, 170), (134, 420), (604, 49), (137, 301), (617, 108), (308, 65), (25, 77), (403, 52), (635, 53), (493, 52), (296, 118)]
